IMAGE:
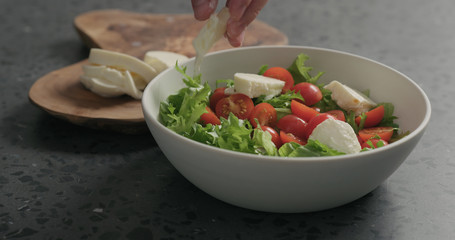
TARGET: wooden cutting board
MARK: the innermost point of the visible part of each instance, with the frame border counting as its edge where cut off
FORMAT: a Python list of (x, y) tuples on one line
[(61, 94)]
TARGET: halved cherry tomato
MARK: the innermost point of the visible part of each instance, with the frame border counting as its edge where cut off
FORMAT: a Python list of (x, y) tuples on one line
[(265, 114), (282, 74), (217, 95), (302, 111), (310, 92), (360, 140), (292, 124), (385, 133), (239, 104), (315, 122), (289, 137), (275, 137), (210, 117), (374, 117), (374, 142), (338, 114)]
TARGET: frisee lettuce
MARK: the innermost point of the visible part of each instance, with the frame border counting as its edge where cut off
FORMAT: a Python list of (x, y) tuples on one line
[(313, 148), (183, 109), (279, 101), (300, 72)]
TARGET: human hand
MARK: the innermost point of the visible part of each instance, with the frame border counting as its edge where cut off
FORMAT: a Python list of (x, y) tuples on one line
[(242, 13)]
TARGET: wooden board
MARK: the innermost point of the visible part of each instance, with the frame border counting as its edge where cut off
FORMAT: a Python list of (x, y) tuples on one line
[(61, 94)]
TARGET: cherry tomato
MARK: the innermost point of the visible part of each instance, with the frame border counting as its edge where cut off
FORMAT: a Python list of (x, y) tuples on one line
[(360, 140), (373, 118), (210, 117), (338, 114), (302, 111), (289, 137), (374, 142), (217, 95), (314, 122), (275, 136), (310, 92), (239, 104), (385, 133), (292, 124), (265, 114), (282, 74)]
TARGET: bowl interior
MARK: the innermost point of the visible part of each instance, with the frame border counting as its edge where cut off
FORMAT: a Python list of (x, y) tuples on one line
[(384, 83)]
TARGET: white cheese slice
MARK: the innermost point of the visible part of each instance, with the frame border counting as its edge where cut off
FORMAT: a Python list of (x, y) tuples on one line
[(338, 135), (109, 82), (254, 85), (162, 60), (212, 31), (122, 62), (100, 87), (349, 99)]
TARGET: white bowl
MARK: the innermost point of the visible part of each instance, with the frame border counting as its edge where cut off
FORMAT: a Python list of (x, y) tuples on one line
[(277, 184)]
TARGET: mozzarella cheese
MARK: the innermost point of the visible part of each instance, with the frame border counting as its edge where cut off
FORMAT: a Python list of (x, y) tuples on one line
[(112, 74), (212, 31), (254, 85), (162, 60), (109, 82), (122, 62), (349, 99), (338, 135)]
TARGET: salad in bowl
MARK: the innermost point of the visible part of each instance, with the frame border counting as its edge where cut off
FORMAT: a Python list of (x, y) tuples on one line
[(280, 111), (220, 139)]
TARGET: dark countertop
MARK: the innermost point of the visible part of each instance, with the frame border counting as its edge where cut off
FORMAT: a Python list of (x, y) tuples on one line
[(61, 181)]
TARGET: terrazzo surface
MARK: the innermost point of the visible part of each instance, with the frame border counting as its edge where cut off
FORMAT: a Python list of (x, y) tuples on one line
[(61, 181)]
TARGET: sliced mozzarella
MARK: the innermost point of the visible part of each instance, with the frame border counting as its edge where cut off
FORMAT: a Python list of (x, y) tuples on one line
[(130, 88), (109, 82), (338, 135), (103, 73), (162, 60), (212, 31), (254, 85), (349, 99), (122, 62), (101, 88)]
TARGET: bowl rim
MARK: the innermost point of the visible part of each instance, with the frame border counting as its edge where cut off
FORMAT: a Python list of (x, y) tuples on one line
[(420, 129)]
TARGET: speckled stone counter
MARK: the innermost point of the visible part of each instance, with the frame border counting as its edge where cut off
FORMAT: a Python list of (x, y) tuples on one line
[(61, 181)]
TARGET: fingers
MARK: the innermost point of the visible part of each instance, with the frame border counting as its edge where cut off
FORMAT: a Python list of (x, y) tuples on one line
[(243, 12), (203, 8)]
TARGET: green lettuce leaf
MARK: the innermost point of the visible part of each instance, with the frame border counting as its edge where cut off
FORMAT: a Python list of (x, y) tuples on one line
[(235, 134), (300, 72), (280, 101), (312, 149), (183, 109), (263, 144)]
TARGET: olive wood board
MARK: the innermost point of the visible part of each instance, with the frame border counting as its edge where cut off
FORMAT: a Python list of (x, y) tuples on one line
[(62, 95)]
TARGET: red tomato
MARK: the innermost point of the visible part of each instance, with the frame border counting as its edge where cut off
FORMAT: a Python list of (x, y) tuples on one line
[(264, 113), (360, 140), (275, 137), (292, 124), (374, 142), (239, 104), (374, 117), (310, 92), (315, 122), (338, 114), (217, 95), (210, 117), (302, 111), (282, 74), (385, 133), (289, 137)]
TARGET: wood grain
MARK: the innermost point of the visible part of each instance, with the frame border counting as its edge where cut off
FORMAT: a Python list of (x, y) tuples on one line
[(61, 94)]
